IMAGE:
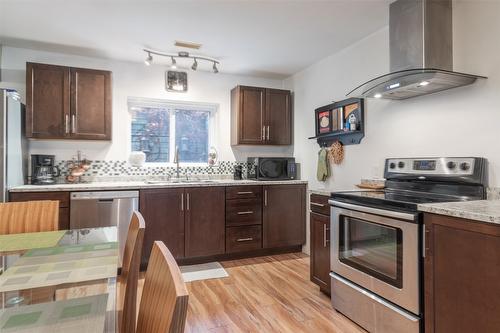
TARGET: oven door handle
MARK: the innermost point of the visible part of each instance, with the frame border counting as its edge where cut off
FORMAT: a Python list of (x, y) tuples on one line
[(371, 210), (377, 299)]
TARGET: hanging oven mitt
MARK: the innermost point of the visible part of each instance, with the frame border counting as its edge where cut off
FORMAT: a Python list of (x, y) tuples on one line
[(323, 170)]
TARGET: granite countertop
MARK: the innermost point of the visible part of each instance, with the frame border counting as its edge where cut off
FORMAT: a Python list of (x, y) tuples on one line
[(329, 192), (321, 192), (479, 210), (133, 185)]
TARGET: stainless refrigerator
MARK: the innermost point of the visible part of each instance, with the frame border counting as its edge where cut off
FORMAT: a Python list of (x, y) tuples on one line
[(13, 143)]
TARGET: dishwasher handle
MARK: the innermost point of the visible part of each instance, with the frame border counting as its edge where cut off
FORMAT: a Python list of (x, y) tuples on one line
[(106, 200), (104, 195)]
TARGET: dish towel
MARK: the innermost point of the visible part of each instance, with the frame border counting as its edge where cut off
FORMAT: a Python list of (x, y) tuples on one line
[(323, 168)]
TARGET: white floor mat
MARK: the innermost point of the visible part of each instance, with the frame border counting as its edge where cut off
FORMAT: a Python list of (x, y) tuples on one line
[(211, 270)]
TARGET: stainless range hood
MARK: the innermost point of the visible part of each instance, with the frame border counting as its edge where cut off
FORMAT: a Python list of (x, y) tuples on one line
[(421, 53)]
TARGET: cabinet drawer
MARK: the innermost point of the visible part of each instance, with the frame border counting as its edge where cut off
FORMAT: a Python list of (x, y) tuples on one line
[(240, 239), (63, 197), (245, 192), (319, 204), (243, 212)]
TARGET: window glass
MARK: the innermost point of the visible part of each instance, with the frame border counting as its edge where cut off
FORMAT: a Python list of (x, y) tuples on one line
[(151, 133), (191, 135)]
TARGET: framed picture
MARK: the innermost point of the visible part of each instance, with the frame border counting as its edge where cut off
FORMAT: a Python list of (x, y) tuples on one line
[(323, 121), (176, 81)]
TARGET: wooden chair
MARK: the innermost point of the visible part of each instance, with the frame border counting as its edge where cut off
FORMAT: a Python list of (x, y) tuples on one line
[(164, 298), (127, 291), (28, 216)]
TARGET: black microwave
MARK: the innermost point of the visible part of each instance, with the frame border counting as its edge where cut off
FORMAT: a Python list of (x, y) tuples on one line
[(271, 168)]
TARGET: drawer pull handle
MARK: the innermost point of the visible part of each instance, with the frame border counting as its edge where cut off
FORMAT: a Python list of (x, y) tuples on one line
[(241, 193), (317, 204), (244, 239), (245, 213)]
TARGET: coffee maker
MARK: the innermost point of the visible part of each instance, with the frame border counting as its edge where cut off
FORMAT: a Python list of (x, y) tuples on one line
[(43, 170)]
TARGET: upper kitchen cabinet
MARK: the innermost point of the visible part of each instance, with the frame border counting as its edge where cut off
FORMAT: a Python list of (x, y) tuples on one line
[(90, 104), (278, 117), (260, 116), (47, 95), (68, 103)]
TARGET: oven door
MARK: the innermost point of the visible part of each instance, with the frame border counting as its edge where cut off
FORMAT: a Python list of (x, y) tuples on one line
[(378, 250)]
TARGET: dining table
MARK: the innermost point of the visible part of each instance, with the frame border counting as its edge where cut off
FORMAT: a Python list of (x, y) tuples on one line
[(59, 281)]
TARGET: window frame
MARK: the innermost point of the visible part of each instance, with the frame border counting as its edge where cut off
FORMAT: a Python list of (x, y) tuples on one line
[(172, 106)]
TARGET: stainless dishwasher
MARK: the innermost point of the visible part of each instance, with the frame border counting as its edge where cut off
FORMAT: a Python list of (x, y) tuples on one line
[(104, 209)]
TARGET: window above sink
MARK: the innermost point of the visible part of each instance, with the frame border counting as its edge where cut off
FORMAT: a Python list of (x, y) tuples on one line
[(158, 126)]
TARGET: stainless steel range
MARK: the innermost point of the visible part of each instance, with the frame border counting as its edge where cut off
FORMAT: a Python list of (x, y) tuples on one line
[(376, 252)]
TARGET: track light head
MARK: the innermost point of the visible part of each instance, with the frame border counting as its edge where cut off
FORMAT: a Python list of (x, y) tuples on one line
[(214, 68), (148, 60), (195, 65), (174, 63)]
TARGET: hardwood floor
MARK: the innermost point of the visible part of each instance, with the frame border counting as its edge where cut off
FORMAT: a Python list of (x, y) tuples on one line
[(265, 294)]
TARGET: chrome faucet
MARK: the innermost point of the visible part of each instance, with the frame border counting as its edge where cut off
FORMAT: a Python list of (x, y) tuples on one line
[(176, 161)]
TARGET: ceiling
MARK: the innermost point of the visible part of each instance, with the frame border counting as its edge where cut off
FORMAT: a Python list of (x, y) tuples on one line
[(270, 39)]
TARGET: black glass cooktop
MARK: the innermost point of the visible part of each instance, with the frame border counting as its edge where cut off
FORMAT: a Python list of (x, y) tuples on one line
[(405, 200)]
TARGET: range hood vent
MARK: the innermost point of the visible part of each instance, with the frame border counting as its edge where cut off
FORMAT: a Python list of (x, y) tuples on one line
[(421, 53)]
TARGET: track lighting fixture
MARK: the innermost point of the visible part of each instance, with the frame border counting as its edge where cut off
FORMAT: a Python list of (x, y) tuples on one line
[(149, 59), (181, 55)]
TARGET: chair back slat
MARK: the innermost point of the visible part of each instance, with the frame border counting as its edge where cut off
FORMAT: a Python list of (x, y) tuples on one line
[(29, 216), (131, 262), (164, 299)]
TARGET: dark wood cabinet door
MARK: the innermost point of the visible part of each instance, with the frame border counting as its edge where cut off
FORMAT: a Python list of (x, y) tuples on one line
[(205, 221), (163, 211), (462, 270), (278, 117), (62, 197), (251, 111), (320, 250), (284, 219), (47, 101), (90, 104)]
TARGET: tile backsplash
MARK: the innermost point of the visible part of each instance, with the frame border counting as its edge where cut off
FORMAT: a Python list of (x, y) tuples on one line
[(109, 169)]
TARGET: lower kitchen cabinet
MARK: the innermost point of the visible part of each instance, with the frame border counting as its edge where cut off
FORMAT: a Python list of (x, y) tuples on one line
[(320, 241), (284, 215), (205, 221), (241, 239), (320, 251), (190, 221), (62, 197), (461, 274), (163, 212)]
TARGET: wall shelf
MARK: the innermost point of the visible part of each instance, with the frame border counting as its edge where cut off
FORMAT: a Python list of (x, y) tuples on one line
[(344, 137), (339, 112)]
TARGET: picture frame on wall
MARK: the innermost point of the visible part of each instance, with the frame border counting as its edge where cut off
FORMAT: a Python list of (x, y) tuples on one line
[(176, 81), (323, 121)]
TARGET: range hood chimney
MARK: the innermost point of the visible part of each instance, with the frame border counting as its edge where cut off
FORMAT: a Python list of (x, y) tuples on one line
[(421, 52)]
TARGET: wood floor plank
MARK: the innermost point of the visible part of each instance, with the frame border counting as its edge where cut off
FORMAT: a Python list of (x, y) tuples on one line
[(265, 294)]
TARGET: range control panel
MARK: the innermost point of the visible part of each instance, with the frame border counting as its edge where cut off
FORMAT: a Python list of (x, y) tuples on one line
[(443, 166)]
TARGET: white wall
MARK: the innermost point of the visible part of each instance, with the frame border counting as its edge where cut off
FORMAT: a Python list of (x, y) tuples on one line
[(137, 80), (459, 122)]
